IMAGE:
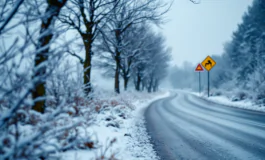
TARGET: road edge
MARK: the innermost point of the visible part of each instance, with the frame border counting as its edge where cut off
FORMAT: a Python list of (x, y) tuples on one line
[(226, 105)]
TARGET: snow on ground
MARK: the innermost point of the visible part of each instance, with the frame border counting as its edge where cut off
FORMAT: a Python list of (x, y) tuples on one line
[(245, 104), (121, 119)]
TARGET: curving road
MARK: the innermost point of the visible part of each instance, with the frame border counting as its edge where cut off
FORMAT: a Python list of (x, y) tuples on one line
[(184, 126)]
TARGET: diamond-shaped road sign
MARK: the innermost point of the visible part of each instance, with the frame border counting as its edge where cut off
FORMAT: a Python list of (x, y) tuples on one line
[(199, 68), (208, 63)]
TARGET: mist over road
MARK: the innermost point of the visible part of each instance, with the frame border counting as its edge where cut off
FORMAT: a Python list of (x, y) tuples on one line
[(184, 126)]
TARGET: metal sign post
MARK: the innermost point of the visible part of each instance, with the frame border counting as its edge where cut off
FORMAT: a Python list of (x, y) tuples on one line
[(208, 64), (200, 82), (199, 69), (208, 83)]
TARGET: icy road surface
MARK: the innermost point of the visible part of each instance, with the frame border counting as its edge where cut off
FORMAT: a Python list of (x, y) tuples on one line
[(184, 126)]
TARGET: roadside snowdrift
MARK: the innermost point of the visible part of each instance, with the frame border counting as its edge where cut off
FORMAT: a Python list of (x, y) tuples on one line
[(232, 101), (119, 128)]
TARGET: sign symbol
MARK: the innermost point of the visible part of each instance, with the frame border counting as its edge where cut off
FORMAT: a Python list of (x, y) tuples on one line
[(199, 68), (208, 63)]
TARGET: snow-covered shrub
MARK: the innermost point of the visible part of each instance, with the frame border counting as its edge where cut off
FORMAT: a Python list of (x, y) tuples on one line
[(260, 96), (216, 92), (232, 94), (240, 95), (26, 134), (256, 85)]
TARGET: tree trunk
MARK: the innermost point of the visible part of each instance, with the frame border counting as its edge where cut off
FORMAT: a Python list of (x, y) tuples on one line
[(117, 75), (150, 86), (126, 72), (118, 61), (138, 82), (143, 85), (87, 40), (155, 85), (87, 37), (149, 89), (126, 80), (52, 11)]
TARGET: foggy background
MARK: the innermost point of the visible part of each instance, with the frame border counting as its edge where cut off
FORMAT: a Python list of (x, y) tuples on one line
[(195, 31)]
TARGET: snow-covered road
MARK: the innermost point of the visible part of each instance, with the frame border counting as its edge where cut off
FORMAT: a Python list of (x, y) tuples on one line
[(184, 126)]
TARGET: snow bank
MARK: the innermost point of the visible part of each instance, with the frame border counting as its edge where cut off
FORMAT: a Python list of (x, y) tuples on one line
[(244, 104), (120, 119)]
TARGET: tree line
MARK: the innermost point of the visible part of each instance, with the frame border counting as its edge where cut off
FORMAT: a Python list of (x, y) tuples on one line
[(118, 31)]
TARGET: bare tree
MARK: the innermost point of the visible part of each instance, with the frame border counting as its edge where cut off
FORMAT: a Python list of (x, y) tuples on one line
[(152, 63), (126, 14), (144, 57), (135, 37), (42, 54), (87, 17)]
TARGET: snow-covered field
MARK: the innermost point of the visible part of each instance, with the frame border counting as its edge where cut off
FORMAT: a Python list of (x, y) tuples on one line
[(224, 100), (119, 128)]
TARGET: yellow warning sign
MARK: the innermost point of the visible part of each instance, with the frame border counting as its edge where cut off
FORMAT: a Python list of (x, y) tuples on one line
[(208, 63)]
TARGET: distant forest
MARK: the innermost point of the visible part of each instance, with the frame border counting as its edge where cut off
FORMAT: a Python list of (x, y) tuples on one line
[(239, 72)]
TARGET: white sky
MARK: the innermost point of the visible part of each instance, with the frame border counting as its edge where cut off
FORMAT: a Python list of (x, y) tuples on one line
[(197, 30)]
